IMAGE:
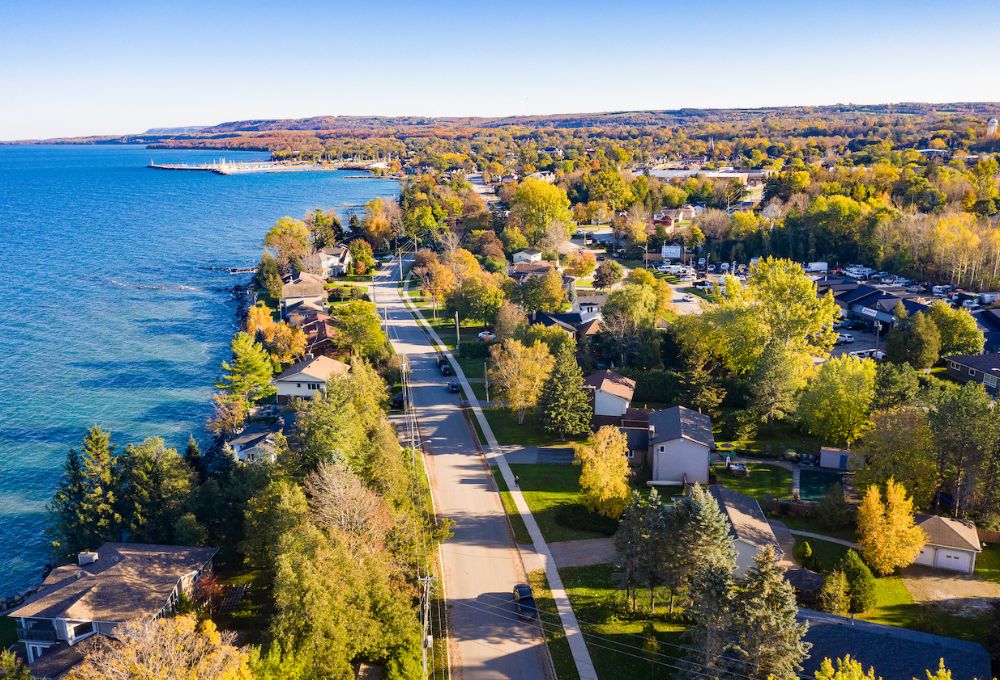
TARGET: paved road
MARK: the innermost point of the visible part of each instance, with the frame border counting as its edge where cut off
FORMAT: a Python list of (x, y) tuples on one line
[(481, 562)]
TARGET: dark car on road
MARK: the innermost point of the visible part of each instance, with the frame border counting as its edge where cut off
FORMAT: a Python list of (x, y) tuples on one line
[(453, 387), (524, 602), (446, 369)]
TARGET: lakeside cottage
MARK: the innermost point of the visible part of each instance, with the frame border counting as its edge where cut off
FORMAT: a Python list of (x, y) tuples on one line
[(116, 583), (307, 377), (256, 442), (303, 293)]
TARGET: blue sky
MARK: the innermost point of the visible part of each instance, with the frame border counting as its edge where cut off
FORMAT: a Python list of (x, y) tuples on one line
[(74, 68)]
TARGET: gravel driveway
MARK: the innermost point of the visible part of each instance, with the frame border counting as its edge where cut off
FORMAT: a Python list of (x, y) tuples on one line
[(960, 593)]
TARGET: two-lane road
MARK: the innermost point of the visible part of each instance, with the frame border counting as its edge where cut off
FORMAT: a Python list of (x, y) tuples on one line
[(481, 562)]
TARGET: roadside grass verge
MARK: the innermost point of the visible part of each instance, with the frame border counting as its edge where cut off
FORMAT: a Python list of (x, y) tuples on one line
[(555, 636), (505, 427), (516, 523), (546, 489)]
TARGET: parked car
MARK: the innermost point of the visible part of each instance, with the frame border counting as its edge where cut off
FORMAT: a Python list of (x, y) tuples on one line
[(446, 369), (454, 387), (876, 354), (397, 401), (524, 602), (844, 339), (711, 267), (486, 336)]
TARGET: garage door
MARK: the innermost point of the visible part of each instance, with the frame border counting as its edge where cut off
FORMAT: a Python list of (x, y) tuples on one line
[(926, 556), (953, 559)]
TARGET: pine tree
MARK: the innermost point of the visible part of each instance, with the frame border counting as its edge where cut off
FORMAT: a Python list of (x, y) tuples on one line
[(710, 634), (194, 458), (704, 532), (564, 405), (99, 516), (250, 371), (632, 543), (155, 487), (768, 638), (66, 525)]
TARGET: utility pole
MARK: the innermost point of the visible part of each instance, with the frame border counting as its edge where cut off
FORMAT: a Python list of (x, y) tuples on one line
[(425, 619), (487, 374), (458, 336)]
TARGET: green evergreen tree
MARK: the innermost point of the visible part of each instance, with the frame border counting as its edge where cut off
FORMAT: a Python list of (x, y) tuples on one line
[(564, 405), (772, 384), (632, 544), (705, 532), (100, 518), (250, 371), (710, 634), (768, 638), (66, 524), (895, 385), (835, 597), (194, 458), (860, 581), (154, 491)]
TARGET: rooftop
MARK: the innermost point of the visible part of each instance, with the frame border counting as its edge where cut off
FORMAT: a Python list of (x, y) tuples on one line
[(948, 532), (746, 518), (612, 383), (680, 422), (986, 363), (126, 581), (318, 368)]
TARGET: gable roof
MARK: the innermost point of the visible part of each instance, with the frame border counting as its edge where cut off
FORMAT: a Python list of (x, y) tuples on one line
[(948, 532), (612, 383), (680, 422), (304, 284), (317, 368), (255, 434), (747, 520), (895, 653), (128, 581)]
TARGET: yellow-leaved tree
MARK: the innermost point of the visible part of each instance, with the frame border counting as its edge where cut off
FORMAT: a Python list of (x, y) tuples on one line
[(605, 472), (889, 538)]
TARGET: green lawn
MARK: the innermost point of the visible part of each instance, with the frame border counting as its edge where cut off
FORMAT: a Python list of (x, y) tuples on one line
[(555, 636), (826, 555), (545, 489), (252, 616), (473, 368), (813, 525), (988, 563), (615, 636), (764, 481), (516, 523), (770, 442), (507, 430)]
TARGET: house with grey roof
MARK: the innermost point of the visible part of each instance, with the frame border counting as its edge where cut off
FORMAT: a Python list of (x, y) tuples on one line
[(951, 543), (303, 292), (895, 653), (680, 443), (256, 442), (748, 525), (116, 583), (980, 368)]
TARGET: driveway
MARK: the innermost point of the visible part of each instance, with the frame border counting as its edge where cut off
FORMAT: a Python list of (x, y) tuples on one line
[(481, 563), (959, 593), (534, 455)]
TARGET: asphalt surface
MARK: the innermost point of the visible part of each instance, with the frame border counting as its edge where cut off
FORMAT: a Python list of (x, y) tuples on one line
[(481, 563)]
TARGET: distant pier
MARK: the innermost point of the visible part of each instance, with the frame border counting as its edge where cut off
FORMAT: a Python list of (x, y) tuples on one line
[(246, 167)]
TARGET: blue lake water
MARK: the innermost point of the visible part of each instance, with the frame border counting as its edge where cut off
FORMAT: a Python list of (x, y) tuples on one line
[(109, 311)]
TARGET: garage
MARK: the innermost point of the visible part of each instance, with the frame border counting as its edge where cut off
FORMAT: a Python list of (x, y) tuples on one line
[(952, 543)]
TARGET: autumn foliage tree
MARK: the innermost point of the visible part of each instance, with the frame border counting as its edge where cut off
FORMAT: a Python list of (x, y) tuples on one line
[(518, 372), (889, 538), (604, 472)]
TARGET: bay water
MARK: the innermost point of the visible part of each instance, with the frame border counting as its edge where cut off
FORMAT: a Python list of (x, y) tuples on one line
[(112, 309)]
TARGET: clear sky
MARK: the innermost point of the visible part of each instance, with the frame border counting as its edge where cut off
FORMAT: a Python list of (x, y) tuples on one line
[(75, 68)]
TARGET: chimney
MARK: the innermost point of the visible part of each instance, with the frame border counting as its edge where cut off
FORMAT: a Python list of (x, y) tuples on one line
[(86, 557)]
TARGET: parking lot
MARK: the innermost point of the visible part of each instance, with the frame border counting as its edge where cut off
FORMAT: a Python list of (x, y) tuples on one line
[(862, 340)]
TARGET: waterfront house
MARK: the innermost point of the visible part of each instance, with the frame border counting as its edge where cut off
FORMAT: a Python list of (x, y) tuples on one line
[(116, 583), (980, 368), (951, 543), (256, 442), (303, 293), (335, 260), (748, 526), (307, 377)]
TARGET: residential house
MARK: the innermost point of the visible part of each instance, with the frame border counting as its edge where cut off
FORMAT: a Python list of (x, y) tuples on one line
[(528, 255), (335, 260), (307, 377), (680, 442), (524, 271), (320, 334), (748, 526), (980, 368), (612, 394), (988, 321), (590, 303), (303, 293), (116, 583), (577, 325), (951, 543), (894, 652), (256, 442)]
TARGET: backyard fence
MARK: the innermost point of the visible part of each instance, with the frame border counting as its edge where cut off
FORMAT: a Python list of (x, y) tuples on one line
[(988, 536)]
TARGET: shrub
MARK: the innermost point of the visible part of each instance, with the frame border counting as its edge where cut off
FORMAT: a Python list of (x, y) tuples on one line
[(576, 516), (861, 582), (474, 349)]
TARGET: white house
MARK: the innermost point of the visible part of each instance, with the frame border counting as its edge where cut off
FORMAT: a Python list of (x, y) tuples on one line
[(612, 393), (256, 442), (748, 525), (303, 292), (307, 377), (335, 260), (118, 582), (951, 543), (839, 459), (680, 442), (527, 256)]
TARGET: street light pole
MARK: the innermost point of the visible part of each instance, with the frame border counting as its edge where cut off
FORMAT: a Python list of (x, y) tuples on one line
[(458, 336)]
